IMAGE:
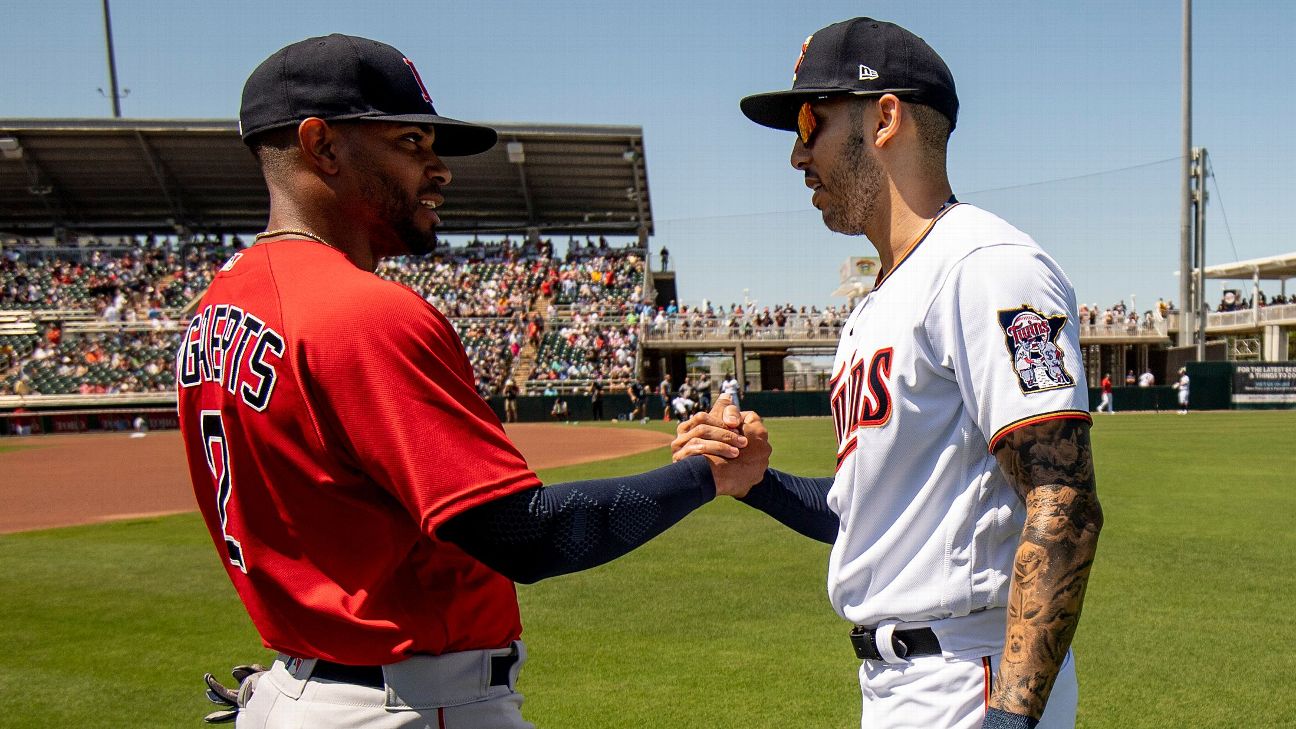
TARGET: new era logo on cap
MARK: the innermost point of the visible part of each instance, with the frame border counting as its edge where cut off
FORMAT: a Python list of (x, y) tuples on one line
[(866, 73)]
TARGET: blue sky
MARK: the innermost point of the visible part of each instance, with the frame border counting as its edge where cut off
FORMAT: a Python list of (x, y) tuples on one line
[(1069, 126)]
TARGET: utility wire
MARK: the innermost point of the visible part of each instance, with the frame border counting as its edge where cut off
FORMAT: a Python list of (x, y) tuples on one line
[(1076, 177), (661, 221), (972, 192), (1210, 170)]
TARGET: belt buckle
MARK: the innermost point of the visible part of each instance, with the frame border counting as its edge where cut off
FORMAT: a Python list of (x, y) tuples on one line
[(866, 648), (901, 649)]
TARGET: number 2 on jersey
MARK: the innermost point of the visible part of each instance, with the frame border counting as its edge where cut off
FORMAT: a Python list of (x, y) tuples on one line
[(218, 461)]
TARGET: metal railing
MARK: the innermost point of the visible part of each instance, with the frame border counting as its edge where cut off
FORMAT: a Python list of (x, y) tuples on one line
[(1256, 316), (714, 331), (1126, 329)]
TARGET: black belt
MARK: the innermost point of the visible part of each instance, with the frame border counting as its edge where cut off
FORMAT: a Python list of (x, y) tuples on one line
[(905, 643), (372, 676)]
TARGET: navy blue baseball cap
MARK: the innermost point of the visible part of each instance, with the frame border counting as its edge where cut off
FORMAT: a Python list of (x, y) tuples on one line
[(345, 77), (861, 57)]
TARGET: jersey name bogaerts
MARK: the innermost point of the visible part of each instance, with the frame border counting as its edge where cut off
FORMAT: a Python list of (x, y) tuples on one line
[(970, 335), (331, 426)]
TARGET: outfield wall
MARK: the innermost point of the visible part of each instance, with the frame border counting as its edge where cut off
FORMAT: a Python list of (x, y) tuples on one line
[(1215, 386)]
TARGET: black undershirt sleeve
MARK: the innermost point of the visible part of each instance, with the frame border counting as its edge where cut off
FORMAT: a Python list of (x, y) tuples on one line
[(800, 503), (552, 530)]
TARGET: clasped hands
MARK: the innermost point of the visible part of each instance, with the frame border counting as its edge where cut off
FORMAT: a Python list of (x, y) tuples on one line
[(735, 442)]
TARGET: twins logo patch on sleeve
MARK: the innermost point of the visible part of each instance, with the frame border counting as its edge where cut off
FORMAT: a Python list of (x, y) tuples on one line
[(1031, 337)]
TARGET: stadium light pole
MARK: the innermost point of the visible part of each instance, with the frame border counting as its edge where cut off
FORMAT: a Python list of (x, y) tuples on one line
[(112, 63), (1187, 316)]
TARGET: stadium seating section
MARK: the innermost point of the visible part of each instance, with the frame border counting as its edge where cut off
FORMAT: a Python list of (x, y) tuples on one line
[(106, 320)]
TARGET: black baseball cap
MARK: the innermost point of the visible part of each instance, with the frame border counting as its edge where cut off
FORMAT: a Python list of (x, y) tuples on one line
[(863, 57), (345, 77)]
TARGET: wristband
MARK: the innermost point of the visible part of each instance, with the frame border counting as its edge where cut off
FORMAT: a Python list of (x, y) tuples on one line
[(1000, 719)]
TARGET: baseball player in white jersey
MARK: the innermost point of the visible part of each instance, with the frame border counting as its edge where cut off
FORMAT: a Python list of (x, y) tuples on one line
[(1182, 387), (963, 514)]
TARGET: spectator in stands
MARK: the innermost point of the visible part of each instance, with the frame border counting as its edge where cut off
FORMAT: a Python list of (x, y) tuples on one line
[(665, 258), (1130, 379)]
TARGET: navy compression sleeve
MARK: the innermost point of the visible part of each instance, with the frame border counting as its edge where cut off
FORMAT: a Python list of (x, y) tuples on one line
[(800, 503), (568, 527)]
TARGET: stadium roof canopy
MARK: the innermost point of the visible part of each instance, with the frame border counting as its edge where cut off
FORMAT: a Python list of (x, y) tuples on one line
[(99, 176), (1279, 267)]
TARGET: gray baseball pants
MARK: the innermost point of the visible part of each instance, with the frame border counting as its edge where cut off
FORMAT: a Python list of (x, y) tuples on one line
[(451, 691)]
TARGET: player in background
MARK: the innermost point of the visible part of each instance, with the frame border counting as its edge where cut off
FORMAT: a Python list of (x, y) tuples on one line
[(1106, 402), (1147, 379), (638, 400), (666, 391), (364, 500), (731, 388), (1182, 387), (963, 514)]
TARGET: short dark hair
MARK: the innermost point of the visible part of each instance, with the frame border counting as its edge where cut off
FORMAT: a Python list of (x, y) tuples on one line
[(273, 148), (933, 127)]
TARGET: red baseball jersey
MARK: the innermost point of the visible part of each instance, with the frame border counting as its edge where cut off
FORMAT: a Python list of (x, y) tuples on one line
[(331, 426)]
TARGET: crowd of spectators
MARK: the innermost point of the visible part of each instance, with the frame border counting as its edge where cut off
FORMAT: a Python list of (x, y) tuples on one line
[(594, 313), (1118, 316), (93, 363), (492, 346), (602, 282), (782, 321), (119, 285), (1232, 301), (487, 288), (469, 288), (587, 348)]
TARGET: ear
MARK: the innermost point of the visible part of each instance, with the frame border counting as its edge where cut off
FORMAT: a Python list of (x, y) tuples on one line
[(319, 144), (890, 115)]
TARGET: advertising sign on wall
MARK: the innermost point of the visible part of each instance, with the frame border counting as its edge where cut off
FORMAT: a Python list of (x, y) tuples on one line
[(1264, 383)]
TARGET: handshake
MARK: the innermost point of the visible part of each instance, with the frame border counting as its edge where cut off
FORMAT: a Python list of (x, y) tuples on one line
[(736, 443)]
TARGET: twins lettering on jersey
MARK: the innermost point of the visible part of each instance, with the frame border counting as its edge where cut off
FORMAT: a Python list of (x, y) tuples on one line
[(852, 407), (1031, 337), (232, 347)]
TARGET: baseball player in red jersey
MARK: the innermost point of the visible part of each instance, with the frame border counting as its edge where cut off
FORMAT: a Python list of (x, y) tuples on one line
[(365, 501), (963, 514)]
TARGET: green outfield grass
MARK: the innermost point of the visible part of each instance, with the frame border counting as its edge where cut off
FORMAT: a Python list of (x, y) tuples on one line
[(723, 621)]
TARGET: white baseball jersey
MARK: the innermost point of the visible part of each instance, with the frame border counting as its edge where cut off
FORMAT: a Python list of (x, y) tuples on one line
[(971, 335)]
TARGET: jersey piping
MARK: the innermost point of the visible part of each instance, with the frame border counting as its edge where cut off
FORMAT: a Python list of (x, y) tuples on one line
[(1036, 419), (904, 255)]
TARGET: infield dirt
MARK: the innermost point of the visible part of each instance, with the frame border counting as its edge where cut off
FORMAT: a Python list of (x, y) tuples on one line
[(63, 480)]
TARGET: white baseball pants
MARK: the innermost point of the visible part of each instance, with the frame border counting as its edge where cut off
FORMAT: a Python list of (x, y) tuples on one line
[(452, 691), (934, 692)]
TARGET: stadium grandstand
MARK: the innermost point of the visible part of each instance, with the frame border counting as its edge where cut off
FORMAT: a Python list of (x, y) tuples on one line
[(109, 229)]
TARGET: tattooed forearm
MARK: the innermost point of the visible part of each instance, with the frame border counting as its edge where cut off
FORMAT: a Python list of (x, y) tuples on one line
[(1051, 467)]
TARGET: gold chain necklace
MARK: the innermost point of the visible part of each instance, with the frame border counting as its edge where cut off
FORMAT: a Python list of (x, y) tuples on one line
[(291, 231)]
